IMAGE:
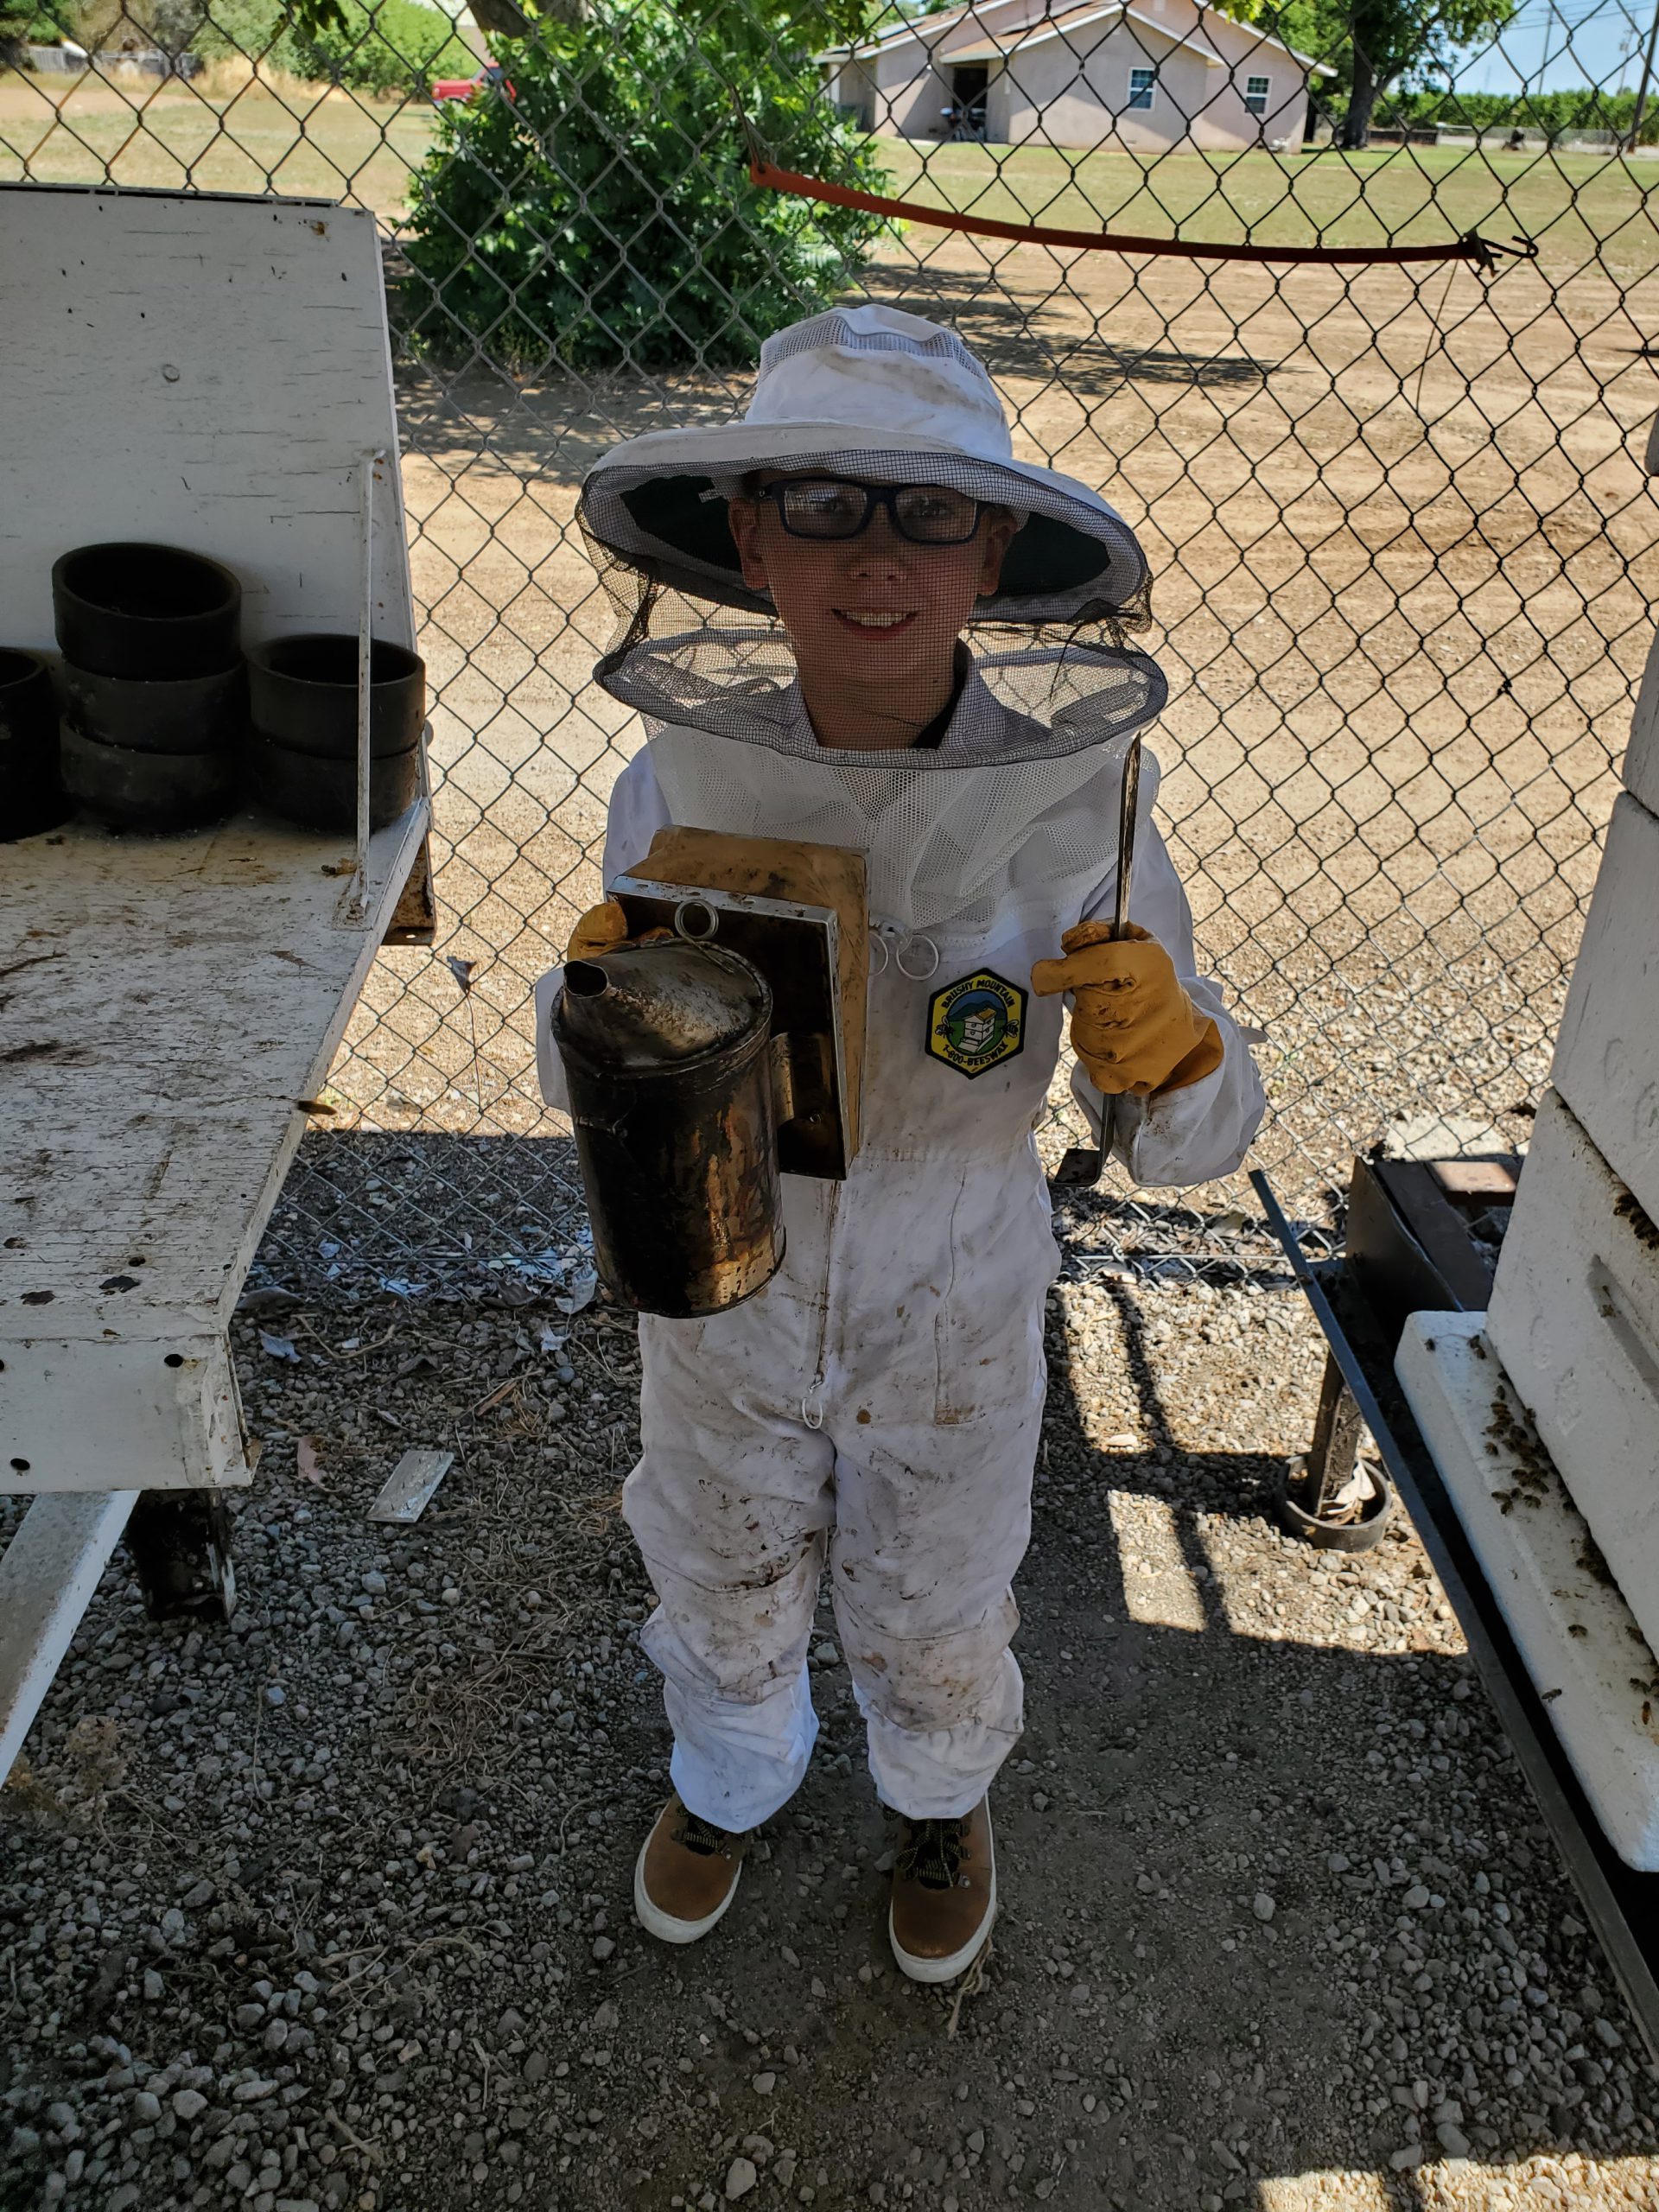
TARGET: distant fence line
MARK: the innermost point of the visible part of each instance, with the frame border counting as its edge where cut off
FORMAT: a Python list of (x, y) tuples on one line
[(140, 61)]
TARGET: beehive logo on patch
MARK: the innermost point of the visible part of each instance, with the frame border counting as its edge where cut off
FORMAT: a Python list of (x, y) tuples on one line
[(977, 1024)]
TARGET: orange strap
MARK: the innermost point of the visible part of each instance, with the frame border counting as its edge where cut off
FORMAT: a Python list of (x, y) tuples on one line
[(1483, 252)]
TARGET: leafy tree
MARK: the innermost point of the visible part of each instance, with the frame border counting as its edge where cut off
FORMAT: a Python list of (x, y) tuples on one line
[(1582, 107), (24, 21), (1391, 36), (373, 46), (602, 216), (383, 45), (1373, 44), (818, 23)]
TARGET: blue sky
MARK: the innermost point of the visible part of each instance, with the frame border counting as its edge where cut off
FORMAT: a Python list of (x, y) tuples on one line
[(1549, 48)]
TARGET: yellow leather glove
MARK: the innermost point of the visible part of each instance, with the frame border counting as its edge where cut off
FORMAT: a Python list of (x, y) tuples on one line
[(601, 929), (1133, 1027)]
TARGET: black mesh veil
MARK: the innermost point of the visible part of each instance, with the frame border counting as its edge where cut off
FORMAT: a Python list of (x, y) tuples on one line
[(1050, 642)]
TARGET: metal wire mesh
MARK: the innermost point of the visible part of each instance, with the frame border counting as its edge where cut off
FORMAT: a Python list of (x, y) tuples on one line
[(1402, 543)]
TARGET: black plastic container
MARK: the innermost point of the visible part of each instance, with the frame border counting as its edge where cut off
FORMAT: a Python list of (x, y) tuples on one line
[(150, 611), (322, 794), (32, 796), (153, 791), (193, 714), (302, 694)]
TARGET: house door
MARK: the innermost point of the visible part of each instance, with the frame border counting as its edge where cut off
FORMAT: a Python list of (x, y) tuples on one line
[(967, 85)]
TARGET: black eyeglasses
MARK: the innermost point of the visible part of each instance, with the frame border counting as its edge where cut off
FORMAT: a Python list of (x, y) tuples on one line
[(835, 508)]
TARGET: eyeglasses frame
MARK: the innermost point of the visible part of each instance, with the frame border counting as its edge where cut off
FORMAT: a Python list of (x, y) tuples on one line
[(875, 495)]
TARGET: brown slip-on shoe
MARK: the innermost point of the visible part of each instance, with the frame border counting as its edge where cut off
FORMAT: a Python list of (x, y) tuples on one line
[(944, 1895), (686, 1874)]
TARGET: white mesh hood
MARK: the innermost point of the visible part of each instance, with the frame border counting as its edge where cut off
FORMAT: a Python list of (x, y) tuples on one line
[(1022, 790)]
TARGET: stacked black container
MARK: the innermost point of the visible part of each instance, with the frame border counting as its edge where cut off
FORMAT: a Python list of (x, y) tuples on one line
[(31, 792), (301, 756), (153, 685)]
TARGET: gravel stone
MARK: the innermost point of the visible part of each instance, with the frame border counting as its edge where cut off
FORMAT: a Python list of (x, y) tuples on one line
[(397, 1899)]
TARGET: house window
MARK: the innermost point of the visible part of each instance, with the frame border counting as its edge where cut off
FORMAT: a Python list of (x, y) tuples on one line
[(1141, 84), (1255, 95)]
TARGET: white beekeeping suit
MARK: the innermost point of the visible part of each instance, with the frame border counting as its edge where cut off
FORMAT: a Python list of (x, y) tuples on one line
[(877, 1405)]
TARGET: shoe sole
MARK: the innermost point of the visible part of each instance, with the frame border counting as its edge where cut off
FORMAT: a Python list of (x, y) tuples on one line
[(663, 1925), (959, 1962)]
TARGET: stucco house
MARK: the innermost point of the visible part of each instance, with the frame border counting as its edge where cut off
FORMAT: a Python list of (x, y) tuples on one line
[(1144, 78)]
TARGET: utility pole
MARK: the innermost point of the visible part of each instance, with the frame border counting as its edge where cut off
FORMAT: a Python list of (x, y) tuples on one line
[(1642, 88)]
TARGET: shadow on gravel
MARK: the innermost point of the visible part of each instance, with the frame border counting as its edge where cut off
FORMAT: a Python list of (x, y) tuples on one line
[(554, 432), (1270, 1908), (1279, 1881), (1009, 338)]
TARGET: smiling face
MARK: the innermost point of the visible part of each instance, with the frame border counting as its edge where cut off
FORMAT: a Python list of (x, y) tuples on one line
[(873, 619)]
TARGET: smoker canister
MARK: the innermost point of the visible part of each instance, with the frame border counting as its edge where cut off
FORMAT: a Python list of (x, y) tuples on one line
[(667, 1059)]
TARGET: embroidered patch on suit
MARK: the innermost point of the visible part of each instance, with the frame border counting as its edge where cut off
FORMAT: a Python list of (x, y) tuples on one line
[(976, 1023)]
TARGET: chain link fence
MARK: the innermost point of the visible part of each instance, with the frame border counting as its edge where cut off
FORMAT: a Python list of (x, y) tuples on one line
[(1403, 545)]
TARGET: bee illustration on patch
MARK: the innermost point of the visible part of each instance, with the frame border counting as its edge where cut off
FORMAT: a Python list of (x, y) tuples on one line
[(976, 1022)]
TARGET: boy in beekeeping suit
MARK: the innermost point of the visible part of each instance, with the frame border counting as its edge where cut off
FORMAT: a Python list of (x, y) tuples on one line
[(877, 1405)]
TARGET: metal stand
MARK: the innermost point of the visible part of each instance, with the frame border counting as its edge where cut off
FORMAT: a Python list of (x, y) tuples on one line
[(179, 1545), (1621, 1906), (1331, 1501), (1409, 1250)]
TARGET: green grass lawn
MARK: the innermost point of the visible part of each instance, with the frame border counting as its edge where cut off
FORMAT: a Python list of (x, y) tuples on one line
[(291, 138), (1576, 206), (294, 139)]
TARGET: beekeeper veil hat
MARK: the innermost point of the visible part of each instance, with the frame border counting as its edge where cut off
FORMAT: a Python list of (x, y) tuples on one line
[(1022, 785), (882, 397)]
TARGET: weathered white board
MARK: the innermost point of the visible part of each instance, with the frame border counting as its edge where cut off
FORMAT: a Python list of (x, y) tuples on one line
[(51, 1568), (1583, 1648), (169, 1003), (1642, 754), (1607, 1056), (1574, 1318), (207, 372), (198, 371)]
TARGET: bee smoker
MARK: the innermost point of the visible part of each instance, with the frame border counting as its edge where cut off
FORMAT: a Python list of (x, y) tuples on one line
[(668, 1062), (704, 1065)]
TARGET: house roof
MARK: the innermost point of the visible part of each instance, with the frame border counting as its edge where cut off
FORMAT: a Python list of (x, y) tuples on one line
[(897, 35), (997, 48)]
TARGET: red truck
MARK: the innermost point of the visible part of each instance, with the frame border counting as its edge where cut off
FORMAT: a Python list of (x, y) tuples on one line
[(463, 88)]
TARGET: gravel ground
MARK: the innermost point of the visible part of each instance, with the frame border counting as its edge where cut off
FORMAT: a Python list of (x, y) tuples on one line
[(329, 1908)]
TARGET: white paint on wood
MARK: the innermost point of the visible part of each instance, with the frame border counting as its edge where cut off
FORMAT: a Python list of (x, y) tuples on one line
[(408, 1488), (198, 371), (1574, 1319), (47, 1576), (1583, 1648), (170, 1003), (1607, 1057), (1642, 755), (161, 1412)]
